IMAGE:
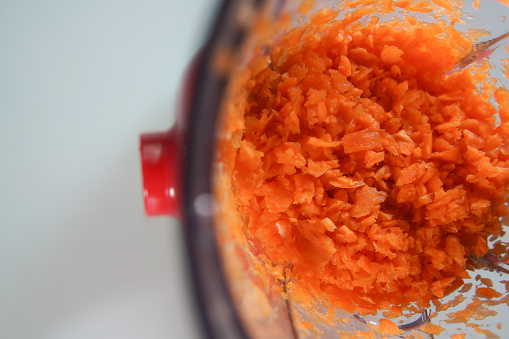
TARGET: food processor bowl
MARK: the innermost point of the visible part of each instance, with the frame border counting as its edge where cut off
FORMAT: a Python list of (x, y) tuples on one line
[(241, 292)]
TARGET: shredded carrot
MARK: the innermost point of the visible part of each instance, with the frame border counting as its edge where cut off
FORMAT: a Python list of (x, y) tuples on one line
[(364, 166), (432, 329), (486, 332), (487, 292), (388, 328)]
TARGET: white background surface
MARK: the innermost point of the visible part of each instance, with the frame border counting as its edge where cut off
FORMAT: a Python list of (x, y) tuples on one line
[(79, 81)]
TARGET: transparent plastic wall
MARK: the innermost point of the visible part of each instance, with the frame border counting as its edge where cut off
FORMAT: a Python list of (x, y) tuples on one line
[(262, 292)]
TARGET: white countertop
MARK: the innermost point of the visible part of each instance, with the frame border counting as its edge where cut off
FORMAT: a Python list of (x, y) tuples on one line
[(79, 81)]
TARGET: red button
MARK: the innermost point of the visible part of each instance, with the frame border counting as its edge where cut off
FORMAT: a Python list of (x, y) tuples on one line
[(160, 168)]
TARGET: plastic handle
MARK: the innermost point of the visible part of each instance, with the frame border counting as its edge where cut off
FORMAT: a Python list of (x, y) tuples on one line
[(162, 155), (160, 169)]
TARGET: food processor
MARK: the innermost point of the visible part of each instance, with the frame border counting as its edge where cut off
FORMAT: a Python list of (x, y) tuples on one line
[(240, 292)]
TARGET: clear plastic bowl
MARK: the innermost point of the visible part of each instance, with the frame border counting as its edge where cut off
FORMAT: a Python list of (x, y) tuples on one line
[(237, 294)]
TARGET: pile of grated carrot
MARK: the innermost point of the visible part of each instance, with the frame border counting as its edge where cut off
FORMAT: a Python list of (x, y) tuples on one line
[(366, 171)]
